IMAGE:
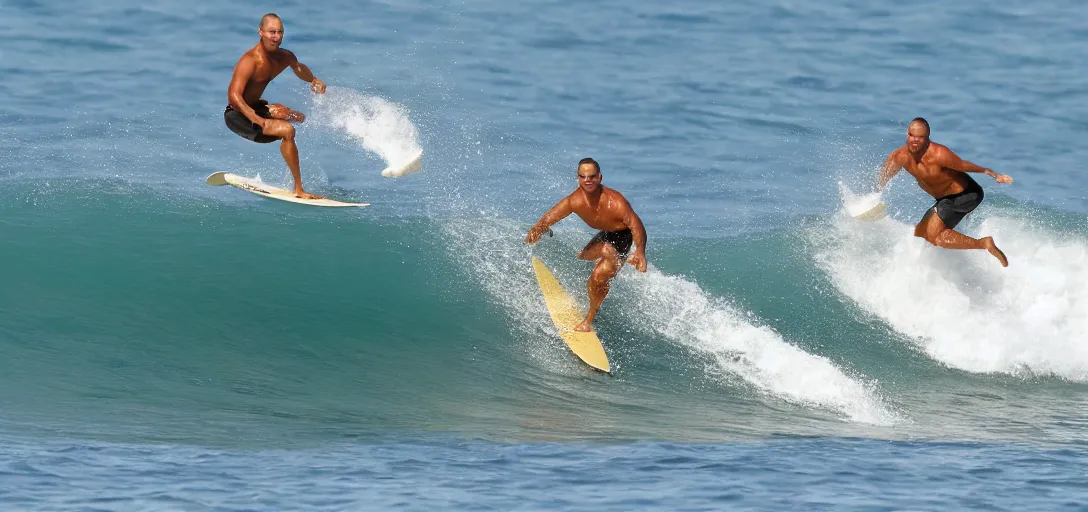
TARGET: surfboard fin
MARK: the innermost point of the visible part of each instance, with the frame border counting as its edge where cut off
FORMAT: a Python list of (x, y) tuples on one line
[(217, 179)]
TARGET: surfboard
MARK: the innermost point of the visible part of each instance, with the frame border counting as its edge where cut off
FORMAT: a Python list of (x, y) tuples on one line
[(586, 345), (869, 207), (411, 165), (263, 189)]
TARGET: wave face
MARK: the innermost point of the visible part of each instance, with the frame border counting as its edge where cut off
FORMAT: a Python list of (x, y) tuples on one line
[(131, 313)]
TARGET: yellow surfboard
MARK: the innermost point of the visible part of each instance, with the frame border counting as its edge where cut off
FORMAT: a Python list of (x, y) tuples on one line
[(586, 345)]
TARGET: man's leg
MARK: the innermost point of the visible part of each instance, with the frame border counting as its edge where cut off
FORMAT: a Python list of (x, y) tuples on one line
[(286, 133), (608, 265), (281, 111), (933, 229)]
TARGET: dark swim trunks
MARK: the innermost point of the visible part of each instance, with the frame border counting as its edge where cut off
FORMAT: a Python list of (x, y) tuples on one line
[(238, 123), (621, 240), (953, 208)]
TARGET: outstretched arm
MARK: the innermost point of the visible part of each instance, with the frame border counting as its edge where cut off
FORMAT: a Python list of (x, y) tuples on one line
[(951, 160), (890, 168), (638, 234), (303, 72), (556, 214)]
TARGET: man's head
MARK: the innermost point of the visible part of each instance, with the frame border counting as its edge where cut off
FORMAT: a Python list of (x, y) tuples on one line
[(918, 136), (589, 174), (271, 31)]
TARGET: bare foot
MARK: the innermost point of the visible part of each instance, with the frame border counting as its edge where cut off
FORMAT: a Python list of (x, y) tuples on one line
[(302, 194), (988, 243), (583, 327)]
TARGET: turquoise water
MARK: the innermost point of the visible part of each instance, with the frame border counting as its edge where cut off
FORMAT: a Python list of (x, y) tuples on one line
[(160, 338)]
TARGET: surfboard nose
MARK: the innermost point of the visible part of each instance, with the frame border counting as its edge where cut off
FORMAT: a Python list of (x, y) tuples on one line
[(412, 165)]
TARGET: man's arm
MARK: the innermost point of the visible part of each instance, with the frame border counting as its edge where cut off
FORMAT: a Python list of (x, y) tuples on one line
[(556, 214), (950, 160), (890, 168), (243, 71), (306, 75), (638, 235)]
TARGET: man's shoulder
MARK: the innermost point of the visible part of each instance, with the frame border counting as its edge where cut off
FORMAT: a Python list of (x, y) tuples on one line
[(941, 148), (285, 55), (613, 193), (249, 54), (939, 152)]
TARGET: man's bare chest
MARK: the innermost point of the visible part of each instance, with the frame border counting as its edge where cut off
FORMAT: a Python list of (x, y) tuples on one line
[(265, 74), (601, 215), (925, 170), (267, 68)]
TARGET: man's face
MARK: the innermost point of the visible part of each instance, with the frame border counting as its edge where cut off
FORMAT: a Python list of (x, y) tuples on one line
[(917, 137), (271, 34), (589, 178)]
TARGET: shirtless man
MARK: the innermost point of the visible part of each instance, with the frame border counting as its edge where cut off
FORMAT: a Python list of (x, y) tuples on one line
[(604, 209), (252, 117), (942, 175)]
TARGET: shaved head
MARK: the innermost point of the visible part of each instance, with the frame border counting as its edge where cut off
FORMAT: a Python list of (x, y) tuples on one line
[(270, 16), (919, 121)]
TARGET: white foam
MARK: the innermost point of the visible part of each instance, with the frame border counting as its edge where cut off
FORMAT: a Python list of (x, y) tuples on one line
[(381, 126), (962, 307), (869, 206), (671, 307), (683, 313)]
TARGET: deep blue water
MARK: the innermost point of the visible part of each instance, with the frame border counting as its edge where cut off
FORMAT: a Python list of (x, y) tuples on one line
[(166, 345)]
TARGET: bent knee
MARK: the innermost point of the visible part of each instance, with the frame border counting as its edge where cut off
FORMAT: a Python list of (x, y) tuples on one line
[(604, 272), (609, 255), (281, 129), (597, 251)]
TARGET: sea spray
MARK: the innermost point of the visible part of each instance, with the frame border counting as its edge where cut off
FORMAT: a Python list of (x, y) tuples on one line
[(961, 307), (381, 126)]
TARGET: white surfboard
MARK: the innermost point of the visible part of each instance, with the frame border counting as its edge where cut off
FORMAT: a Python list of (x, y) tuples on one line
[(263, 189), (411, 165), (869, 207)]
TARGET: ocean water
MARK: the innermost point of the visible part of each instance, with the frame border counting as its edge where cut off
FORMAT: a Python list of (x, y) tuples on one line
[(167, 345)]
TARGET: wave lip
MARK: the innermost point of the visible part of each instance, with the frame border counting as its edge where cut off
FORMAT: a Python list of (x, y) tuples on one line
[(685, 314)]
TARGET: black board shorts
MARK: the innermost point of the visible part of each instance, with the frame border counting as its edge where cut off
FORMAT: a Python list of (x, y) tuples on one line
[(238, 123), (621, 240), (953, 208)]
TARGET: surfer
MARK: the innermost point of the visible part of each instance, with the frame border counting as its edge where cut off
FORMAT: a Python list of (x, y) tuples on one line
[(249, 115), (607, 210), (943, 175)]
